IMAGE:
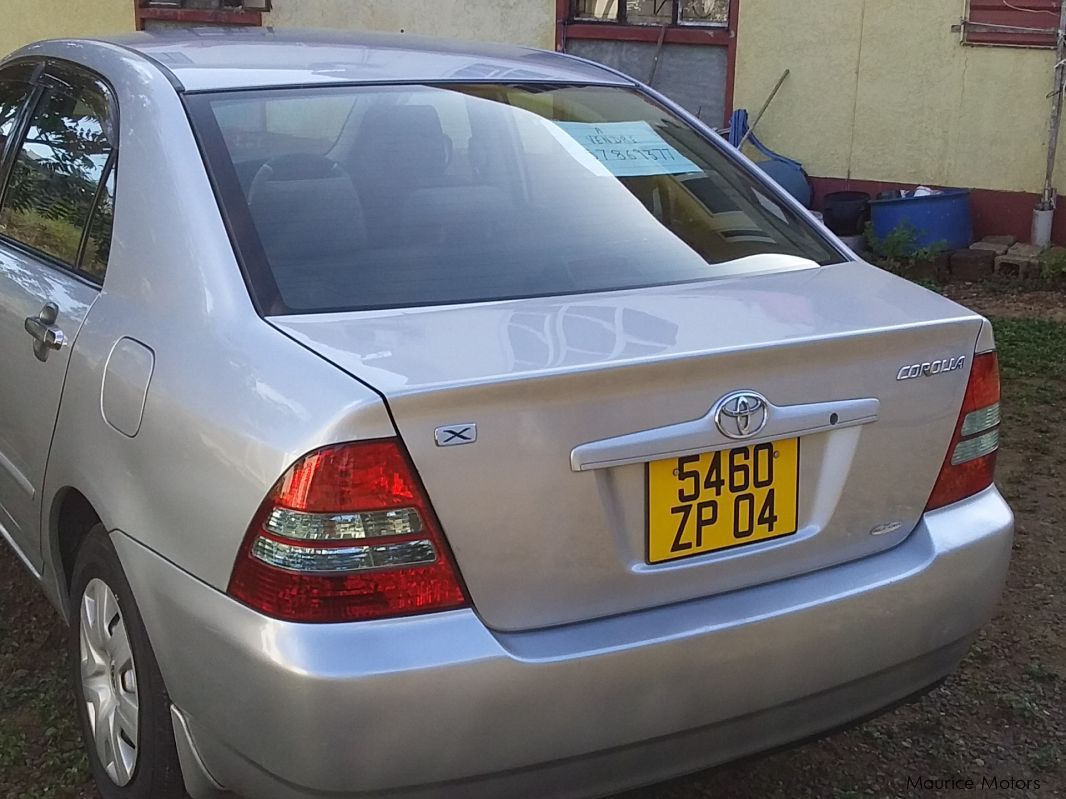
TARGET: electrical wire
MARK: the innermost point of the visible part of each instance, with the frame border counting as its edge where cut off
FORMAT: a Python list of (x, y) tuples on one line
[(1030, 10)]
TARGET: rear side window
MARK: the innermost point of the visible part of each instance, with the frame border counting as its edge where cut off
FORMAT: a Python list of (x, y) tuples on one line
[(58, 199), (98, 236), (398, 196)]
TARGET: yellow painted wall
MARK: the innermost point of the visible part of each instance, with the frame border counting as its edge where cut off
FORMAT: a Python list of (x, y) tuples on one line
[(530, 22), (25, 21), (883, 90)]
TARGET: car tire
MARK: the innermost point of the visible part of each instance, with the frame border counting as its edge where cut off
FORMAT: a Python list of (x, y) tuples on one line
[(122, 703)]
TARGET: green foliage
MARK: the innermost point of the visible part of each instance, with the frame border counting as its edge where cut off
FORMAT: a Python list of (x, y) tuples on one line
[(897, 247), (55, 236), (56, 173), (1053, 264), (932, 252), (898, 254)]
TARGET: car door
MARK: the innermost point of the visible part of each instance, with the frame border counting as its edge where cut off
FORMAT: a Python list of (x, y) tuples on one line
[(56, 205)]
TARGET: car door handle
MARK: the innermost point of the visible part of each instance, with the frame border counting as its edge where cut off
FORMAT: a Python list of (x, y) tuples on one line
[(44, 331)]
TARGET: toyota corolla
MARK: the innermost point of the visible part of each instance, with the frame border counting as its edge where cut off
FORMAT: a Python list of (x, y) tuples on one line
[(394, 417)]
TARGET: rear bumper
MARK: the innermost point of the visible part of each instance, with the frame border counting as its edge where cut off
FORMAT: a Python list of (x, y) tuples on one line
[(439, 705)]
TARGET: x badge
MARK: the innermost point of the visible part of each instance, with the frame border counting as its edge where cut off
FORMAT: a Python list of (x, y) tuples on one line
[(454, 434)]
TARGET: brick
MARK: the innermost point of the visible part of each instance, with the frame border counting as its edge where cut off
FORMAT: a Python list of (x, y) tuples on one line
[(990, 246), (970, 265), (1007, 241), (1030, 251), (1020, 260), (930, 269)]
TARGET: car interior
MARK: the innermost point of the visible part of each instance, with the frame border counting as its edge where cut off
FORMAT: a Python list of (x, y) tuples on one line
[(387, 209)]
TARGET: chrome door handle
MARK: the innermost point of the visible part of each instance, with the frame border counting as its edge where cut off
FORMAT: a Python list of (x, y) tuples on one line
[(44, 331)]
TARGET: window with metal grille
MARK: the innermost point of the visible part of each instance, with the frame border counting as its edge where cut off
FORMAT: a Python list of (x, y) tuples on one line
[(1013, 23), (653, 12)]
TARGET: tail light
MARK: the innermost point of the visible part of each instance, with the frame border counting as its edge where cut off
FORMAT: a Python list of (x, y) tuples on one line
[(346, 534), (970, 464)]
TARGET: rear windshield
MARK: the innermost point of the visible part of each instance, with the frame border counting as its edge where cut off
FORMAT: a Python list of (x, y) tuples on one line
[(399, 196)]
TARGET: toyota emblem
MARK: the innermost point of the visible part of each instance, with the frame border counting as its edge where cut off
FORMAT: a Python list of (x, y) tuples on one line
[(741, 414)]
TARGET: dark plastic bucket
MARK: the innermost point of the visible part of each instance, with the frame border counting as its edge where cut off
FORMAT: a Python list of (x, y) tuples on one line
[(942, 218), (844, 212)]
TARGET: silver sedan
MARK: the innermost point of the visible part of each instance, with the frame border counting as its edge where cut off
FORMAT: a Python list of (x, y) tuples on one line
[(395, 417)]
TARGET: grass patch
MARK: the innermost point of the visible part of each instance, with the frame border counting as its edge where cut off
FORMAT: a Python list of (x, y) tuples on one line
[(1046, 758), (1032, 364), (1031, 348), (1038, 672), (41, 754)]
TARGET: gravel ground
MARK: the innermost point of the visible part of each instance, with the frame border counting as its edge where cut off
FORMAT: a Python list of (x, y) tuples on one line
[(1001, 717)]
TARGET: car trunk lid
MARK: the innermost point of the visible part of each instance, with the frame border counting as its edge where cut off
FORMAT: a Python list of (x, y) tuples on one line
[(547, 510)]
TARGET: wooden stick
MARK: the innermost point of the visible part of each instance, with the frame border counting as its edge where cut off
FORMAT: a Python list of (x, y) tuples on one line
[(770, 99), (658, 52)]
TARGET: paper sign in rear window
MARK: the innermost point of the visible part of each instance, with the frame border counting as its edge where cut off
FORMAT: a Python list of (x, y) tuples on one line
[(629, 149)]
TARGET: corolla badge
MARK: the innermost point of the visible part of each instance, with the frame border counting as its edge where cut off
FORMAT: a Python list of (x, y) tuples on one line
[(741, 414), (930, 368)]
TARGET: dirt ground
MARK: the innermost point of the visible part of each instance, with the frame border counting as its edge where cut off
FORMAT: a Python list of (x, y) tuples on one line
[(1002, 716), (1011, 304)]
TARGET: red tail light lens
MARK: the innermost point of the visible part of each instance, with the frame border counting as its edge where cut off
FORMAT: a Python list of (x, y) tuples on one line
[(970, 464), (347, 534)]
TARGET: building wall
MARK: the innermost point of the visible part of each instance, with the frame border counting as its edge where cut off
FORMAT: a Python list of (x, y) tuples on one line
[(882, 90), (515, 21), (22, 21)]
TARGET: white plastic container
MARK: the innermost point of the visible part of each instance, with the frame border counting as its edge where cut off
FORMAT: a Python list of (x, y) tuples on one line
[(1042, 220)]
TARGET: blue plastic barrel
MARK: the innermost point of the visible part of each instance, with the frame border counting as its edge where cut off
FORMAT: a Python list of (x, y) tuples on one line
[(790, 177), (942, 218)]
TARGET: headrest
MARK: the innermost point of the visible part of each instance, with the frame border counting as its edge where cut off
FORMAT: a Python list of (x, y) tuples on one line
[(403, 140), (301, 166), (306, 208)]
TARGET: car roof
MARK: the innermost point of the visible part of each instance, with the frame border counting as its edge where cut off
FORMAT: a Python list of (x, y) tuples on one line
[(206, 59)]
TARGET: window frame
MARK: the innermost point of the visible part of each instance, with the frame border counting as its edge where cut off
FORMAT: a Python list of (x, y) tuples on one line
[(14, 141), (48, 74), (149, 11), (676, 20), (1016, 23), (569, 29)]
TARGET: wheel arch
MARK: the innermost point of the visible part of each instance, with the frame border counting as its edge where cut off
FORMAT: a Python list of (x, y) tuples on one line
[(72, 515)]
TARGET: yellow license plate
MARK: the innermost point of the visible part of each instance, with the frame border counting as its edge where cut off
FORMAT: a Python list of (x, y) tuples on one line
[(717, 500)]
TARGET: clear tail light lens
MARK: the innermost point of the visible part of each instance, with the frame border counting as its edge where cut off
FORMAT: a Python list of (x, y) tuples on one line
[(970, 464), (347, 534)]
